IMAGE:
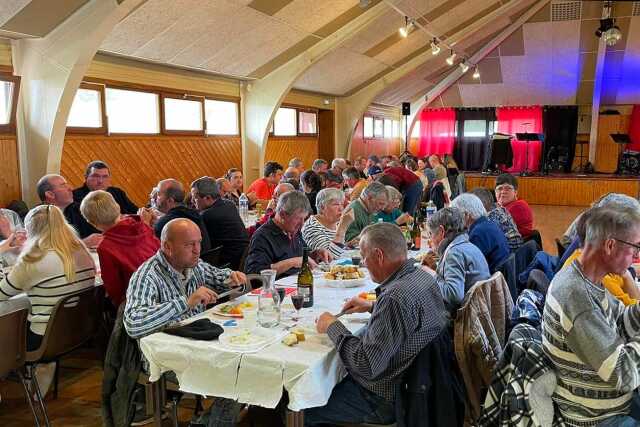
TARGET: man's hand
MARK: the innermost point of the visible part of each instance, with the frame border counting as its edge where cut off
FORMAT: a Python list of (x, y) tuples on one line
[(320, 255), (92, 241), (147, 216), (324, 321), (404, 218), (348, 216), (236, 279), (5, 227), (357, 305), (202, 295)]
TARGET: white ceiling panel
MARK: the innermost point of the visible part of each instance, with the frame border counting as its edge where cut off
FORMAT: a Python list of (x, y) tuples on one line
[(376, 32), (311, 15), (9, 8)]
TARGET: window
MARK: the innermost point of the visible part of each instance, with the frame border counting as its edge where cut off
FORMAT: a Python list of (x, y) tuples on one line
[(415, 133), (132, 111), (284, 123), (307, 123), (396, 129), (378, 128), (222, 117), (368, 127), (475, 128), (183, 115), (493, 127), (6, 102), (87, 110), (388, 131)]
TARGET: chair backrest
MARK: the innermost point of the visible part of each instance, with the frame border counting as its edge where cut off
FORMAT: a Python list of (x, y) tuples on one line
[(508, 269), (561, 247), (212, 256), (74, 320), (13, 334), (525, 254), (536, 237)]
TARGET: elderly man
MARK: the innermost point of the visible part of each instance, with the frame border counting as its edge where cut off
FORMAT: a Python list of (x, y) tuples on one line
[(222, 221), (320, 166), (224, 187), (360, 163), (354, 181), (174, 284), (263, 188), (170, 201), (290, 174), (486, 235), (298, 164), (373, 199), (590, 337), (54, 190), (278, 244), (270, 212), (97, 176), (334, 175), (406, 316)]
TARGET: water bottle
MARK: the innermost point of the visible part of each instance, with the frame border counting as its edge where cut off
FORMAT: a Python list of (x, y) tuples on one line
[(243, 206), (268, 301), (431, 209)]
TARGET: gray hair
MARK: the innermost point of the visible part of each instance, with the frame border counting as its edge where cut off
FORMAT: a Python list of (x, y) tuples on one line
[(43, 186), (469, 204), (206, 186), (375, 190), (327, 196), (611, 222), (388, 238), (295, 162), (293, 201), (317, 163), (450, 219), (339, 162), (174, 190), (616, 200), (393, 193)]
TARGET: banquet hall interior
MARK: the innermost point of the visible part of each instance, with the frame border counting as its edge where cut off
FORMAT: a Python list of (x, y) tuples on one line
[(545, 90)]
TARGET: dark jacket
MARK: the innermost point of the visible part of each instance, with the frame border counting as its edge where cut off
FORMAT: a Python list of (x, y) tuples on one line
[(126, 205), (491, 241), (431, 392), (270, 245), (77, 221), (184, 212), (226, 229), (437, 195), (122, 365)]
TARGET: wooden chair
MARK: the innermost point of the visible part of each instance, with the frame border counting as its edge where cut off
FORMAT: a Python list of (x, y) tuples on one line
[(13, 341)]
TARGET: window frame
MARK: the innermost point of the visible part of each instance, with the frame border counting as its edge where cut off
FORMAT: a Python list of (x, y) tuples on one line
[(185, 97), (104, 129), (136, 89), (10, 128), (216, 135), (380, 135), (364, 126), (298, 113)]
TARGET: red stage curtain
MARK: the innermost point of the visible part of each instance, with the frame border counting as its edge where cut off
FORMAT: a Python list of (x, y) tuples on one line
[(634, 129), (437, 131), (511, 121)]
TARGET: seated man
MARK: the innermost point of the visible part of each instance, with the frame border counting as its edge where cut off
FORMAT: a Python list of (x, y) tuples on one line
[(263, 188), (291, 173), (174, 284), (407, 315), (98, 177), (278, 244), (170, 201), (355, 183), (507, 197), (373, 199), (500, 217), (591, 337), (320, 166), (334, 177), (222, 221), (234, 176), (297, 163), (54, 190), (127, 242)]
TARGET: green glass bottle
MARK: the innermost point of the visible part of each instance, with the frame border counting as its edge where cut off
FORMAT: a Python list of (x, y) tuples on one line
[(305, 280)]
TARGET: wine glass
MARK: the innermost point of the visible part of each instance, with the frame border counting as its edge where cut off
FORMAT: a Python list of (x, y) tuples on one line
[(282, 293), (297, 301)]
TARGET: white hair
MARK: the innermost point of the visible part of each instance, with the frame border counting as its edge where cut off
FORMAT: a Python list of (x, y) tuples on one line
[(469, 204), (327, 196)]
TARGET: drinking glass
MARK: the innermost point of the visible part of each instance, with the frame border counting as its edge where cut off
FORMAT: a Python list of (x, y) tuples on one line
[(297, 300), (282, 292)]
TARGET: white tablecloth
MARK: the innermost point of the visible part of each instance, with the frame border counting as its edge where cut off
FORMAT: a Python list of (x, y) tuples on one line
[(308, 370)]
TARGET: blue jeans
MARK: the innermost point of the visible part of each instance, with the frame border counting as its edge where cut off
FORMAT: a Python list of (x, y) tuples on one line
[(351, 403), (412, 196), (631, 420)]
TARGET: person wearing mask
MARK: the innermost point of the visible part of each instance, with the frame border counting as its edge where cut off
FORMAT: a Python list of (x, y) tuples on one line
[(507, 197), (98, 177)]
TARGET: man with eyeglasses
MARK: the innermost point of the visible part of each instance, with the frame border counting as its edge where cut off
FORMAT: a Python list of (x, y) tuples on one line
[(97, 176), (507, 197), (592, 339)]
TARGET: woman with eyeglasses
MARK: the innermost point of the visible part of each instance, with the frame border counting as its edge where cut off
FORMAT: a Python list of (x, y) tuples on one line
[(507, 196), (53, 263)]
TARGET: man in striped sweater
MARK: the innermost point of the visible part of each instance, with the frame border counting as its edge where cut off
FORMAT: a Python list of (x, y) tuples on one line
[(592, 339)]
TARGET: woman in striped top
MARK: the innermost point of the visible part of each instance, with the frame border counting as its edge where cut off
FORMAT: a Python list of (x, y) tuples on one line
[(326, 230), (54, 263)]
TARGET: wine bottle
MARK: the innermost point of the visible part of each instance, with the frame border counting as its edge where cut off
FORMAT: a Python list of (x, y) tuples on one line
[(416, 235), (305, 280)]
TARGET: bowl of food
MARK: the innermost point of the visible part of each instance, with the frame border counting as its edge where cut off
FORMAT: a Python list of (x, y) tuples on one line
[(345, 276)]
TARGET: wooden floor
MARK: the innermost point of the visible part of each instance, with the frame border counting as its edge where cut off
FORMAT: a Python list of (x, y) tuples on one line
[(78, 403)]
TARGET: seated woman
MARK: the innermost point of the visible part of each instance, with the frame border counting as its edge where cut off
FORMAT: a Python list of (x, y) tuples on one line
[(461, 263), (53, 264), (440, 172), (500, 216), (311, 185), (507, 197), (392, 212), (326, 229)]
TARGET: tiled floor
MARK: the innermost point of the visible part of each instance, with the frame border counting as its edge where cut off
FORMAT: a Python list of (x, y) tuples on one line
[(78, 403)]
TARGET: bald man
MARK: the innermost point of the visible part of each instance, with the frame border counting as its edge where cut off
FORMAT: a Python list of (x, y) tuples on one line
[(174, 284)]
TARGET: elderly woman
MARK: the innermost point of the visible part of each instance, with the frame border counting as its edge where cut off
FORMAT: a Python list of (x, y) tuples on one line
[(327, 229), (461, 262), (499, 216), (483, 233), (311, 185)]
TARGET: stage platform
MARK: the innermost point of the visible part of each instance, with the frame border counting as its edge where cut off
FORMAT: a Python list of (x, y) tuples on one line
[(563, 189)]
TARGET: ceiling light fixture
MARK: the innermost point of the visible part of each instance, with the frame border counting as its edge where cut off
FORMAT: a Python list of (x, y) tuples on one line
[(435, 49), (476, 73), (609, 31), (451, 58), (463, 66), (408, 27)]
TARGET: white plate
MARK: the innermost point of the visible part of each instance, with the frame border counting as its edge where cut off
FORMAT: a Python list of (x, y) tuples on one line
[(247, 340), (350, 283)]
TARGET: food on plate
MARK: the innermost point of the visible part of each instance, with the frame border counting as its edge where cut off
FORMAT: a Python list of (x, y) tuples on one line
[(245, 337), (344, 272), (235, 308), (369, 296), (290, 339)]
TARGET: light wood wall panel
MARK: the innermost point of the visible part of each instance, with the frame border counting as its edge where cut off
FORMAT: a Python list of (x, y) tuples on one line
[(283, 149), (607, 150), (139, 162), (562, 191), (378, 146), (10, 176), (5, 53)]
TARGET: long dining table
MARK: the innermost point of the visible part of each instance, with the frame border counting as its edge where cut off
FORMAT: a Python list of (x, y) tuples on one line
[(307, 371)]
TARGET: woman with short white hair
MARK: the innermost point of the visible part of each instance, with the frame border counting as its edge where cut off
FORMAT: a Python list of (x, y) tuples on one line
[(327, 229)]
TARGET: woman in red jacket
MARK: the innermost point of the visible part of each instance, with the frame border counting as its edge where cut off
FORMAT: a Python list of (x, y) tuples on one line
[(507, 197), (128, 242)]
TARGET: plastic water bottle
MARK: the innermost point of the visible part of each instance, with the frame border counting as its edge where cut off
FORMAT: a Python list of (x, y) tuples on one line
[(243, 206), (431, 209)]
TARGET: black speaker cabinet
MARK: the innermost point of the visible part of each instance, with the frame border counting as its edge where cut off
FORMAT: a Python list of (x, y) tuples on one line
[(406, 108)]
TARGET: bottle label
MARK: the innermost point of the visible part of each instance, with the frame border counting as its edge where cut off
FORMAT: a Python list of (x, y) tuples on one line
[(305, 292)]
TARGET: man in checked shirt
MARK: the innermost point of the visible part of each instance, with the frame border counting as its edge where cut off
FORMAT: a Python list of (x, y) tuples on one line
[(408, 313)]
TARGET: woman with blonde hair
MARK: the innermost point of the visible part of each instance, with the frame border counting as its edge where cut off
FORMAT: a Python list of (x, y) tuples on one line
[(53, 263)]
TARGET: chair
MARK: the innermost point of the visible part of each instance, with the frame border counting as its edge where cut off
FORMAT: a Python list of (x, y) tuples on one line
[(561, 247), (212, 256), (508, 269), (74, 321), (525, 254), (13, 341), (536, 237)]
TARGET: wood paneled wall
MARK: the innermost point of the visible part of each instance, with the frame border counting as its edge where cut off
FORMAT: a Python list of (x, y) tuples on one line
[(562, 191), (139, 162), (283, 149), (378, 146), (607, 150), (10, 176)]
